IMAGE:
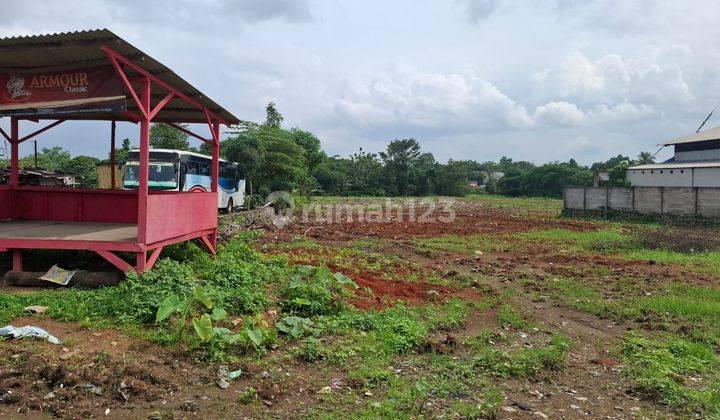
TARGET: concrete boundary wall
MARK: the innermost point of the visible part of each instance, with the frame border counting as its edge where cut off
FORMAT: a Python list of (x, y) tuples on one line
[(703, 201)]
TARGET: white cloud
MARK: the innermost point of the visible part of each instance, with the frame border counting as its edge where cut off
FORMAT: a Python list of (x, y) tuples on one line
[(442, 102), (560, 113), (568, 114), (527, 81), (611, 80)]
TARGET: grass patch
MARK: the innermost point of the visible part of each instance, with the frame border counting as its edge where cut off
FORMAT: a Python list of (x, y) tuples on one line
[(614, 240), (574, 294), (511, 319), (685, 302), (521, 203), (465, 244), (609, 239), (674, 371), (522, 363)]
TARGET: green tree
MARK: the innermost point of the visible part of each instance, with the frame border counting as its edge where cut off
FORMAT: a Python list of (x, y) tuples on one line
[(451, 179), (611, 163), (311, 146), (399, 157), (546, 180), (273, 117), (645, 158), (163, 136), (365, 174), (333, 176), (84, 168), (423, 175), (121, 153), (49, 158), (267, 154)]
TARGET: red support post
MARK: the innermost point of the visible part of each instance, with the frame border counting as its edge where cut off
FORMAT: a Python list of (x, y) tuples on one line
[(17, 260), (141, 262), (112, 155), (216, 173), (144, 164), (215, 156), (15, 153)]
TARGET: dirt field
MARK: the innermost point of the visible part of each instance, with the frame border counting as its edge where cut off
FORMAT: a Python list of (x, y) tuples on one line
[(504, 310)]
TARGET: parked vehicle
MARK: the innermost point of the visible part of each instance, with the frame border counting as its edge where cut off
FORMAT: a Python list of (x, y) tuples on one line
[(177, 170)]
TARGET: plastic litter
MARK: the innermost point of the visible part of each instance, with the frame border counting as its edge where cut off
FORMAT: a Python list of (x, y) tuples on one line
[(28, 331), (58, 275), (36, 309), (224, 377)]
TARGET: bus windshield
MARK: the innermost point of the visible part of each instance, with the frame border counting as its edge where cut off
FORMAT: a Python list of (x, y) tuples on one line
[(162, 175)]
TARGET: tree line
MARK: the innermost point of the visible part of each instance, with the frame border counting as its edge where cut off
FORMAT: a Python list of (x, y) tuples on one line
[(273, 158)]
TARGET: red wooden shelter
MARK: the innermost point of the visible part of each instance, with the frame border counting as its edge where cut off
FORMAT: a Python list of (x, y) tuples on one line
[(141, 221)]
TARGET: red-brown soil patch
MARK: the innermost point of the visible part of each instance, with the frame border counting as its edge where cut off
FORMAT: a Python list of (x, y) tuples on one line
[(386, 292), (467, 221)]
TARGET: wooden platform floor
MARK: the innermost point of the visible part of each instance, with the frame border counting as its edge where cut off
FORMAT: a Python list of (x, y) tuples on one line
[(71, 231)]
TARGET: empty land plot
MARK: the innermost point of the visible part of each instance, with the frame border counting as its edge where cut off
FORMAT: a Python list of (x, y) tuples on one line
[(506, 310)]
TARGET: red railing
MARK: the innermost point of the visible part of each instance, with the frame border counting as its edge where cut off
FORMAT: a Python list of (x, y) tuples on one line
[(171, 215), (75, 205), (5, 202)]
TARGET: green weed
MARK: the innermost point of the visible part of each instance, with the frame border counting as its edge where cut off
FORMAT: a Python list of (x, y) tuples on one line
[(662, 371)]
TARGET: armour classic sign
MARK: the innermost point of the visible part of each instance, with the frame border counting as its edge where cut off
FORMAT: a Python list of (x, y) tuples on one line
[(97, 89)]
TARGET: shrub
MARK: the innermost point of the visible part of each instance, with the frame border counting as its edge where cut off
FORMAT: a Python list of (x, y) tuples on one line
[(314, 291)]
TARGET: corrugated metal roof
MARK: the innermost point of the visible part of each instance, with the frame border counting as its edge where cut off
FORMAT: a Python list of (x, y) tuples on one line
[(678, 165), (82, 48), (711, 134)]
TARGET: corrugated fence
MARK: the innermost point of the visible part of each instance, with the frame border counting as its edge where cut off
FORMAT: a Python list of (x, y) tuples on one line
[(703, 201)]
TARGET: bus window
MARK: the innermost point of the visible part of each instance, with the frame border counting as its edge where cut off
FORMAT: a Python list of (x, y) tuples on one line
[(204, 169)]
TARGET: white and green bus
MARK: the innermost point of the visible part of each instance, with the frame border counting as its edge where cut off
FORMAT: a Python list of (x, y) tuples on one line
[(177, 170)]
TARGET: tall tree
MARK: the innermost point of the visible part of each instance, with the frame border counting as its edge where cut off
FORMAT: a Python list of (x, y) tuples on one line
[(122, 152), (333, 176), (311, 146), (84, 168), (645, 158), (267, 154), (398, 158), (365, 174), (273, 117), (163, 136), (49, 158), (451, 179)]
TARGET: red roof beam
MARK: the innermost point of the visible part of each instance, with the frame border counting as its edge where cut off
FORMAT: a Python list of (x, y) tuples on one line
[(123, 76), (115, 56), (190, 133), (42, 130), (4, 134), (161, 104)]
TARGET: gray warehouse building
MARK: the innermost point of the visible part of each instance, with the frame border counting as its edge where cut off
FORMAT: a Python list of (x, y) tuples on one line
[(696, 163)]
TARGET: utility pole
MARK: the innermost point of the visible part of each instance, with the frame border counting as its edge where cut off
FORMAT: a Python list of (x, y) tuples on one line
[(35, 143)]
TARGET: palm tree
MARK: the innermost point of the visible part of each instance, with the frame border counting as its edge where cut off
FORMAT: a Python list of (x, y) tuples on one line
[(644, 158)]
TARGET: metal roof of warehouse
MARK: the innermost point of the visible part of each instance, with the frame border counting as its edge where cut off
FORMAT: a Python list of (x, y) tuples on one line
[(678, 165), (711, 134), (82, 49)]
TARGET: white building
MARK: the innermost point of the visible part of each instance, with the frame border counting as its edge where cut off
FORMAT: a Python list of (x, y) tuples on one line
[(696, 163)]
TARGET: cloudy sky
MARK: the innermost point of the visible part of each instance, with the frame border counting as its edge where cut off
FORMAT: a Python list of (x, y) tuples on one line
[(470, 79)]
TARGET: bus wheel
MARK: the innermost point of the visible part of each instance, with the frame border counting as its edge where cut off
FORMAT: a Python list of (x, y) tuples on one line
[(229, 209)]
